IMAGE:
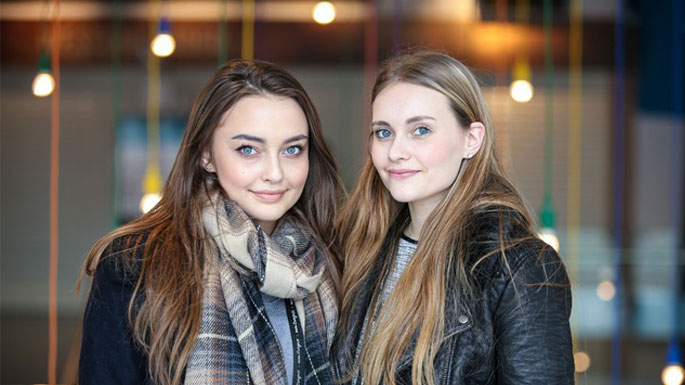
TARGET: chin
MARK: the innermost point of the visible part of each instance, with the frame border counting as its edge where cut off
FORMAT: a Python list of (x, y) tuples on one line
[(402, 197), (268, 217)]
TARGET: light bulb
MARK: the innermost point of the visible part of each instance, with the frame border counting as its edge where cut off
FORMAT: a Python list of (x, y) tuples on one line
[(163, 45), (581, 361), (149, 201), (549, 236), (521, 91), (606, 290), (43, 84), (672, 375), (324, 12)]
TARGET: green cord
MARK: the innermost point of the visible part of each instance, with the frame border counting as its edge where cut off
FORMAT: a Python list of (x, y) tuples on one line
[(547, 214), (116, 108), (223, 54)]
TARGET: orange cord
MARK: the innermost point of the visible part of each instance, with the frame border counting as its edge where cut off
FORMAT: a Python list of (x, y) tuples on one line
[(54, 189)]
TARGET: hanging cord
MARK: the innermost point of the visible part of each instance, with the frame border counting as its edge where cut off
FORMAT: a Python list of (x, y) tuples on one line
[(396, 26), (619, 184), (222, 30), (116, 107), (248, 29), (150, 183), (549, 117), (575, 112), (677, 167), (575, 92), (54, 199), (370, 54)]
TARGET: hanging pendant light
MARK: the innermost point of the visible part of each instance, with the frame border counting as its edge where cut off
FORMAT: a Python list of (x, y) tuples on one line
[(323, 12), (547, 224), (673, 373), (44, 82), (163, 44), (152, 185), (521, 89)]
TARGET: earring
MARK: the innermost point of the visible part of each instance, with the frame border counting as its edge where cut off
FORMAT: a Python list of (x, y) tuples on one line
[(468, 156), (209, 167)]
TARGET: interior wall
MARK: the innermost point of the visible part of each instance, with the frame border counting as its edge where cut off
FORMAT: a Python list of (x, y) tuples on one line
[(86, 172)]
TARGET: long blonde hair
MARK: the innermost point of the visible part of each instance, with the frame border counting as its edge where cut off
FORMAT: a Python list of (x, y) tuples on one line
[(371, 223), (165, 309)]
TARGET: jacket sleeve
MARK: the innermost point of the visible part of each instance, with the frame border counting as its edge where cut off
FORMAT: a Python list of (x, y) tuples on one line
[(108, 352), (532, 333)]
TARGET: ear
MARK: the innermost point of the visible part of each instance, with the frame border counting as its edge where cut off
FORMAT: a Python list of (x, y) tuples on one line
[(473, 139), (207, 161)]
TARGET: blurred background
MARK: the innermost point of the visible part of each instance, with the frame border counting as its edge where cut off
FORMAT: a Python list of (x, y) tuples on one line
[(587, 98)]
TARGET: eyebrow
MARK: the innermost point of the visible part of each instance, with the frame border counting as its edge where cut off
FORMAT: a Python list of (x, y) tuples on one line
[(408, 121), (261, 140)]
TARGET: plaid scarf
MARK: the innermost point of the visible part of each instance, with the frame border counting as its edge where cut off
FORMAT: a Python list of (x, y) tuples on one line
[(237, 344)]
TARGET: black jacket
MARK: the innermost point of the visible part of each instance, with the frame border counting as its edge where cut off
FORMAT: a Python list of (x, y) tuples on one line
[(109, 354), (516, 331)]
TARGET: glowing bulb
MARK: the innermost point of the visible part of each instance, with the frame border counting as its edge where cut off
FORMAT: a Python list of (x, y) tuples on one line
[(581, 361), (606, 290), (163, 45), (43, 84), (149, 201), (549, 236), (521, 91), (673, 375), (324, 12)]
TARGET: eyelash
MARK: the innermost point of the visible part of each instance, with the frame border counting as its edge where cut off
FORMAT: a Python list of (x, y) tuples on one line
[(241, 149), (299, 151), (428, 130), (378, 131)]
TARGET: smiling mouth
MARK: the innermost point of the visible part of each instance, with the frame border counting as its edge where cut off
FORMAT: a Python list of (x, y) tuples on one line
[(402, 174), (269, 196)]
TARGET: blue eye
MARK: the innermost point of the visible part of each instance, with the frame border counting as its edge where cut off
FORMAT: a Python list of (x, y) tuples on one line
[(382, 133), (293, 150), (421, 131), (247, 150)]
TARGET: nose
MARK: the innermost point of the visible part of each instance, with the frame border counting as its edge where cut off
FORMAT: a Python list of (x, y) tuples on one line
[(398, 149), (273, 171)]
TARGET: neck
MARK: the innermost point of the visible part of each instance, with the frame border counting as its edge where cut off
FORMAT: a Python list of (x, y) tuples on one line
[(267, 226), (418, 212)]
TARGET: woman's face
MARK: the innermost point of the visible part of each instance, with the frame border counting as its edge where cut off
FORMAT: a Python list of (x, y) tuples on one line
[(417, 144), (260, 156)]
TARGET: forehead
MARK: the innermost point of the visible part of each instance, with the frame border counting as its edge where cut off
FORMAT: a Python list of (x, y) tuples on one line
[(401, 100), (269, 117)]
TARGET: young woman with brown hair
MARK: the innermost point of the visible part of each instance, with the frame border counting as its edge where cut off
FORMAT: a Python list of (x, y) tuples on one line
[(444, 280), (231, 278)]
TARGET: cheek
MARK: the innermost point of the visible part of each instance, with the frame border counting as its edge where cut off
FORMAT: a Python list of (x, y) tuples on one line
[(298, 172), (377, 155), (440, 153), (233, 177)]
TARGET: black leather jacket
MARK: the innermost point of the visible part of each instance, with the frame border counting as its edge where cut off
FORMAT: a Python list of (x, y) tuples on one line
[(515, 332)]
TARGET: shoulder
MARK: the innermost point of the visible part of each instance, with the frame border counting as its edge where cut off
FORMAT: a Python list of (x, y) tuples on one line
[(121, 261), (534, 262), (501, 244)]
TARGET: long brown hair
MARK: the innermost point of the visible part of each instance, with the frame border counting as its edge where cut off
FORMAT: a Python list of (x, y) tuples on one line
[(371, 223), (165, 311)]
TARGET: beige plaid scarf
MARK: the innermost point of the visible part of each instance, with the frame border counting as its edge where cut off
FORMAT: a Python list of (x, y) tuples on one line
[(236, 343)]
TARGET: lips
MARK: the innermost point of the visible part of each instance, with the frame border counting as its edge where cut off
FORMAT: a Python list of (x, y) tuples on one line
[(400, 174), (269, 196)]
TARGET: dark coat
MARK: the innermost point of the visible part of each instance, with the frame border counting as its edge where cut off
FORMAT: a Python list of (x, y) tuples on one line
[(516, 331), (109, 354)]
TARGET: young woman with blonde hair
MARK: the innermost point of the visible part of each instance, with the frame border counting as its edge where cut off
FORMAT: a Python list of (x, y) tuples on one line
[(444, 280), (231, 278)]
